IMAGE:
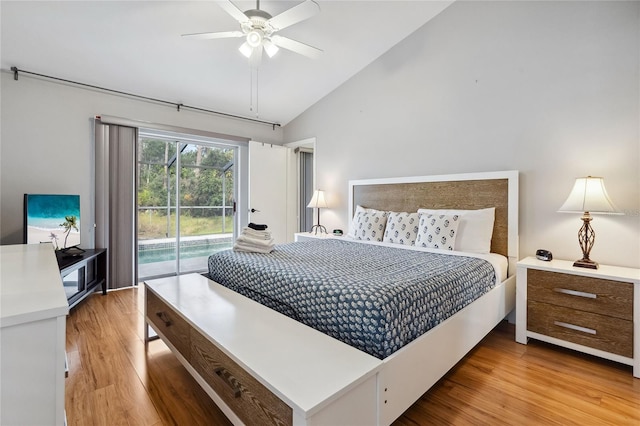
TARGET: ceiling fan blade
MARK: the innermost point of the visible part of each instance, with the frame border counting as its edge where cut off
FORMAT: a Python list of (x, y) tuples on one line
[(256, 57), (223, 34), (296, 46), (233, 10), (294, 15)]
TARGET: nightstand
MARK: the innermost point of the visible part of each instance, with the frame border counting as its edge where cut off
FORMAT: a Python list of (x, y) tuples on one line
[(306, 236), (595, 311)]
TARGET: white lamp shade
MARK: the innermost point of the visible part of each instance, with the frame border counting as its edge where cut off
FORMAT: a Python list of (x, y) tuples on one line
[(318, 200), (589, 195), (270, 48), (245, 49), (254, 38)]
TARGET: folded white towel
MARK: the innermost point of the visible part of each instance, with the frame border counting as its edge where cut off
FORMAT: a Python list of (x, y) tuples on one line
[(265, 235), (247, 240), (239, 246)]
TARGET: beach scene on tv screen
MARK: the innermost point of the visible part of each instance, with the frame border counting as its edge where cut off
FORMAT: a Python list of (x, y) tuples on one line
[(52, 219)]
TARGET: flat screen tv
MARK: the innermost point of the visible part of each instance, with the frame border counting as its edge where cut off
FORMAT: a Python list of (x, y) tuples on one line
[(52, 218)]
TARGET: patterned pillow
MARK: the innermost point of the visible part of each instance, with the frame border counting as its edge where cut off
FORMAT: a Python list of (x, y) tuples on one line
[(437, 231), (369, 225), (359, 211), (402, 228)]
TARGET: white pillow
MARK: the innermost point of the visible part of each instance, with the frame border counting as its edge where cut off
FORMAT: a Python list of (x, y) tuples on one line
[(369, 225), (475, 229), (402, 228), (437, 231)]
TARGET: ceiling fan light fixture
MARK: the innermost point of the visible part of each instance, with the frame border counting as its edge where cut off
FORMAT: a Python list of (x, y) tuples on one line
[(254, 38), (270, 48), (246, 50)]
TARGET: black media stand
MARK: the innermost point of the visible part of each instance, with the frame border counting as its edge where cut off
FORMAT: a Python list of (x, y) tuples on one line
[(82, 272)]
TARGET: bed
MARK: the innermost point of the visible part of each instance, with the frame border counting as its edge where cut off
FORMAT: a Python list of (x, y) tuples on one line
[(376, 297), (397, 373)]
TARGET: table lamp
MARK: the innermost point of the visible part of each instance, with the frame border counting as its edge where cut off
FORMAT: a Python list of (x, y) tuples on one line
[(318, 202), (588, 196)]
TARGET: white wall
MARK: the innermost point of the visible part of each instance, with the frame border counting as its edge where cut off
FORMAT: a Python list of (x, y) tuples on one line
[(551, 89), (46, 142)]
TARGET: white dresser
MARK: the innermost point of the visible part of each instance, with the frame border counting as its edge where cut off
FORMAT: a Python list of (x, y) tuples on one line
[(33, 310)]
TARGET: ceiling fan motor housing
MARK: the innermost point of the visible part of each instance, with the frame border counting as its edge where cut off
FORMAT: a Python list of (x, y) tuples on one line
[(257, 13), (257, 28)]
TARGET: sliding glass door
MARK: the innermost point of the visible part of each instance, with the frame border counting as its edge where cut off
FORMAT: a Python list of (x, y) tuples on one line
[(205, 204), (186, 194)]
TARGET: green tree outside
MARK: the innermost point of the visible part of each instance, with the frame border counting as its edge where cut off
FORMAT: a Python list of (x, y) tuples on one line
[(206, 179)]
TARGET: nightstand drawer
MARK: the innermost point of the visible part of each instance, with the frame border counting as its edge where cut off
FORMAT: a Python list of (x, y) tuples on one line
[(168, 322), (607, 297), (253, 403), (601, 332)]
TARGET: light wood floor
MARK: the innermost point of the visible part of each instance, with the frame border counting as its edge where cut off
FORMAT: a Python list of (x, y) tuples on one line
[(114, 380)]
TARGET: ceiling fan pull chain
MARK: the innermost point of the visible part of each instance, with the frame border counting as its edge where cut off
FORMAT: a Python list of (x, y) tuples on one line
[(250, 89), (253, 88)]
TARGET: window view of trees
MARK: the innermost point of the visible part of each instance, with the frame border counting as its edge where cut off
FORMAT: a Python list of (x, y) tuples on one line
[(206, 189)]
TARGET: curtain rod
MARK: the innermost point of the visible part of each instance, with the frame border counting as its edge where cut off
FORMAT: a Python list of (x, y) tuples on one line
[(178, 106)]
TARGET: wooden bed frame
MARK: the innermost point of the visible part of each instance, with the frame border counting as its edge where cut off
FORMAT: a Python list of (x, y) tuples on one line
[(337, 383)]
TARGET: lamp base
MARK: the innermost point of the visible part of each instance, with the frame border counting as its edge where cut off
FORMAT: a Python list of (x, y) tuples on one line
[(317, 228), (586, 263)]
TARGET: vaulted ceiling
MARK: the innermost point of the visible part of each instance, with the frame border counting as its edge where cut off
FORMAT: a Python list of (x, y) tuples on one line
[(136, 47)]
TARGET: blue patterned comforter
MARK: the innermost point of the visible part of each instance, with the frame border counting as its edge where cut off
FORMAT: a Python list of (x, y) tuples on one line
[(374, 298)]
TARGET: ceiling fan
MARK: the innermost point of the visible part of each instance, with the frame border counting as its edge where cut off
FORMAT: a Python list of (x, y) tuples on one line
[(259, 29)]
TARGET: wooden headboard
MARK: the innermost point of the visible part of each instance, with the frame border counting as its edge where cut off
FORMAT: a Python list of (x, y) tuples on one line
[(460, 191)]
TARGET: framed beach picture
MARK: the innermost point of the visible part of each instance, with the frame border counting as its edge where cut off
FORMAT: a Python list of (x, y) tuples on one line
[(52, 218)]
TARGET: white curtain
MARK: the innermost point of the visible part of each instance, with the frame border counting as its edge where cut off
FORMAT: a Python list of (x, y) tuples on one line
[(115, 200)]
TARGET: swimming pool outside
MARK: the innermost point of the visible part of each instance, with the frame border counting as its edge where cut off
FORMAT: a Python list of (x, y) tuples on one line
[(158, 257)]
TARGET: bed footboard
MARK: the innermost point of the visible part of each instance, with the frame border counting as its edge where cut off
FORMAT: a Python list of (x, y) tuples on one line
[(409, 373)]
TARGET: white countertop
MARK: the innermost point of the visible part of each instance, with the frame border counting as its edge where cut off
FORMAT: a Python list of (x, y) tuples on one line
[(30, 285), (285, 355)]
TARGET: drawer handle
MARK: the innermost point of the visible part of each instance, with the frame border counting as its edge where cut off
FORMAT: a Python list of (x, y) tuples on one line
[(575, 327), (576, 293), (164, 318), (229, 380)]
